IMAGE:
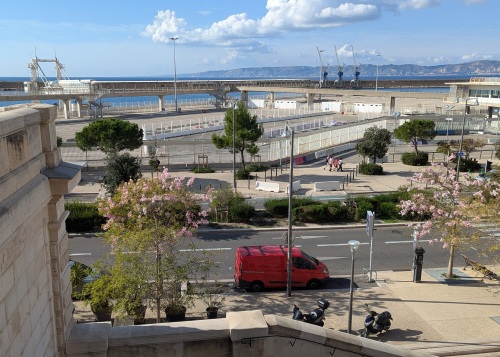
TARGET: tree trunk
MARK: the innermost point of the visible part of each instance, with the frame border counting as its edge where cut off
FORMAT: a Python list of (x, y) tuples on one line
[(242, 154), (449, 274), (159, 281)]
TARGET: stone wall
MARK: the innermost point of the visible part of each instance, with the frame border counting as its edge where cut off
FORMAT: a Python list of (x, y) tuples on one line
[(241, 334), (35, 293)]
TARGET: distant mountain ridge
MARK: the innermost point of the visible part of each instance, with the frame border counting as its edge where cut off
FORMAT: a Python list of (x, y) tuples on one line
[(469, 69)]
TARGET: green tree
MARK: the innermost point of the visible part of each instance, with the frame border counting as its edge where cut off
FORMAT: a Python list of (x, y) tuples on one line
[(468, 145), (375, 143), (110, 136), (415, 130), (153, 218), (497, 150), (121, 168), (247, 132)]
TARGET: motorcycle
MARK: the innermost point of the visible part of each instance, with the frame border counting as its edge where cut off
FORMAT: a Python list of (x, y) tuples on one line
[(316, 317), (376, 323)]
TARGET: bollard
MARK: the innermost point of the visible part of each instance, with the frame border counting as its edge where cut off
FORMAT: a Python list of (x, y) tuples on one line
[(248, 182), (265, 176), (418, 261)]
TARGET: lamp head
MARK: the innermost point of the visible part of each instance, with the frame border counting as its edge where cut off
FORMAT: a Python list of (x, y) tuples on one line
[(354, 245)]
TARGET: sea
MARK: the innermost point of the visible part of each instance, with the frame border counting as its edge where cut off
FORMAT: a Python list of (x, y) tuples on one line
[(186, 98)]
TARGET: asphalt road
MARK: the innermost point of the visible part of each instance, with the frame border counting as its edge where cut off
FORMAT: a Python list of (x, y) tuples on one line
[(392, 248)]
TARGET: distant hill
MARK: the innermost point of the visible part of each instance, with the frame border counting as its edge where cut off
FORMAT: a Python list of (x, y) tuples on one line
[(469, 69)]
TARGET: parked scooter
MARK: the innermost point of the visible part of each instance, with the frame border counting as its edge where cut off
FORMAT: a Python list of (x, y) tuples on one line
[(376, 323), (316, 317)]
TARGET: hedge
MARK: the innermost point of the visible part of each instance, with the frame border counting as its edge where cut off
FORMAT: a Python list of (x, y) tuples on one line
[(83, 217)]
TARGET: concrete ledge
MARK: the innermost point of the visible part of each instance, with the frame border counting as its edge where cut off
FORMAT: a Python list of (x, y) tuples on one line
[(246, 324), (88, 339), (350, 345), (267, 186), (168, 333), (327, 186)]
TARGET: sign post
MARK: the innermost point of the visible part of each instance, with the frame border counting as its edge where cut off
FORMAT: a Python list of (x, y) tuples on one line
[(370, 218)]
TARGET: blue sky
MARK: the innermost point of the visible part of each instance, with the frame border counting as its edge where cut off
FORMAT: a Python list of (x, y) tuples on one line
[(131, 38)]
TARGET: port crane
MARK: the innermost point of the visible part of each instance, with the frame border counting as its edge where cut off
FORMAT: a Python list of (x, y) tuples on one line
[(355, 81), (339, 82), (323, 72), (34, 66)]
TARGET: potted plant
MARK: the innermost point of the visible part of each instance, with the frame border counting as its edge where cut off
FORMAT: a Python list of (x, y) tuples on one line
[(178, 293), (130, 287), (78, 273), (212, 296), (99, 294)]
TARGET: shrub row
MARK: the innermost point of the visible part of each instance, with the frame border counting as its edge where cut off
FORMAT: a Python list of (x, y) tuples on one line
[(83, 217), (307, 210), (415, 159), (370, 169)]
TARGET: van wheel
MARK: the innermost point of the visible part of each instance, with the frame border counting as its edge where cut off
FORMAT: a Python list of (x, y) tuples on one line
[(256, 287), (314, 284)]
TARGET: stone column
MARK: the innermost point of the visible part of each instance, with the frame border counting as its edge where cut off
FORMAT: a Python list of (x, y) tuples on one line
[(63, 177)]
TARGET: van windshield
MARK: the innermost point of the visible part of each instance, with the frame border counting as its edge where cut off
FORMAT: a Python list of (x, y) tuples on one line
[(307, 256)]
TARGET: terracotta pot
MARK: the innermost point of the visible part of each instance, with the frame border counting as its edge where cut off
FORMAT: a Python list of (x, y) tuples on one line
[(177, 313)]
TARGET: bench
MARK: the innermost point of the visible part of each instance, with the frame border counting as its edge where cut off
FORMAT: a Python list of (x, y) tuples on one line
[(327, 186), (295, 186), (267, 186), (478, 267)]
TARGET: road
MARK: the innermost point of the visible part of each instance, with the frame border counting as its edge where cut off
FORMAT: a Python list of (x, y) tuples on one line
[(392, 247)]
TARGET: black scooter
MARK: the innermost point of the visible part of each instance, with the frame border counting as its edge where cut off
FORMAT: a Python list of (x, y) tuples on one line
[(376, 323), (316, 317)]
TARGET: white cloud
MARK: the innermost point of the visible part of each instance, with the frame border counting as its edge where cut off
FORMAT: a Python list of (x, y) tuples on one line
[(471, 57), (230, 56), (417, 4), (240, 31)]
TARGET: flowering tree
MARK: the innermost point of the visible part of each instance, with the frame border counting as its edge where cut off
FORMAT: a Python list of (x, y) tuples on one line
[(147, 222), (449, 209)]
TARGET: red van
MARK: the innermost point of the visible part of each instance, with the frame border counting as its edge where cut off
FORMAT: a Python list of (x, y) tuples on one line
[(265, 266)]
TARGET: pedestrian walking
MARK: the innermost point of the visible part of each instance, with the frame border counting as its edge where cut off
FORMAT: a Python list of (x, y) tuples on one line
[(330, 162), (335, 163), (327, 163), (339, 164)]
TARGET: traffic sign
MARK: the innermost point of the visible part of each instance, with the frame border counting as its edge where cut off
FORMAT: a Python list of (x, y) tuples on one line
[(460, 154)]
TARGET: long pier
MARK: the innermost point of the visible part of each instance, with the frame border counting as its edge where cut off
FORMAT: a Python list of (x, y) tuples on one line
[(92, 90)]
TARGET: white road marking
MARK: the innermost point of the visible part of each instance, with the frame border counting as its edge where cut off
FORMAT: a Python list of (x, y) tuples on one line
[(337, 244), (203, 249), (79, 254), (405, 241)]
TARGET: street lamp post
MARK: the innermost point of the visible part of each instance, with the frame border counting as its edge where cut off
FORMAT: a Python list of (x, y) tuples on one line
[(460, 153), (354, 245), (289, 232), (448, 128), (376, 76), (175, 74), (234, 146)]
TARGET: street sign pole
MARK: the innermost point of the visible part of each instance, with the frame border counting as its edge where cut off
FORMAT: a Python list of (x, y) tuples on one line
[(370, 218)]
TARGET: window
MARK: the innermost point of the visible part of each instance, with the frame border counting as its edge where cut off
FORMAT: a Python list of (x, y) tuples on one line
[(301, 263)]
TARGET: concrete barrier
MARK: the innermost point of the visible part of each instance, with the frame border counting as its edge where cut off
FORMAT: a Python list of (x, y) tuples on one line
[(295, 186), (327, 186), (320, 154), (267, 186)]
